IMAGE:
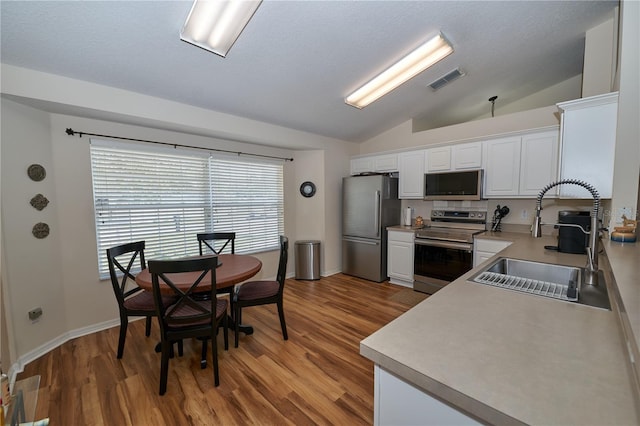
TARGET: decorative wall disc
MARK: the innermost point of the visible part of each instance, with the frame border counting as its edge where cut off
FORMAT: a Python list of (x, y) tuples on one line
[(36, 172), (39, 202), (40, 230), (307, 189)]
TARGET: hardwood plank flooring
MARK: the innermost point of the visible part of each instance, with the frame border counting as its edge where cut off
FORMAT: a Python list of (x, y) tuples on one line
[(316, 377)]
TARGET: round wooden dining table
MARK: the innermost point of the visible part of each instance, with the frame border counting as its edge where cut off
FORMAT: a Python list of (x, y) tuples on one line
[(232, 269)]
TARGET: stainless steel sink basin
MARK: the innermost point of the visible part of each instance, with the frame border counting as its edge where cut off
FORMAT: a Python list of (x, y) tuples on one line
[(544, 279)]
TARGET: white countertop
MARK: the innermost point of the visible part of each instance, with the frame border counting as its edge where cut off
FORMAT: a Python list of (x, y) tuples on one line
[(508, 357)]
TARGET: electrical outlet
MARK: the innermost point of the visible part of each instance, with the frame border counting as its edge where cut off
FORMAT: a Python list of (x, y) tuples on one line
[(624, 211), (34, 314), (524, 214)]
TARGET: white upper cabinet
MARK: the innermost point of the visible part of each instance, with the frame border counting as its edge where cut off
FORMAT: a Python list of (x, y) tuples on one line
[(385, 163), (377, 163), (361, 165), (411, 174), (588, 132), (454, 157), (467, 156), (520, 166), (438, 159), (538, 163), (502, 167)]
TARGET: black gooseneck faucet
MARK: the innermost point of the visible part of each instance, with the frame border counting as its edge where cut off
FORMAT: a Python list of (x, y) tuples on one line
[(592, 250)]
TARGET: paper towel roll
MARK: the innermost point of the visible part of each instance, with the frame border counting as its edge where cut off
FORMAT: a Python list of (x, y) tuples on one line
[(407, 217)]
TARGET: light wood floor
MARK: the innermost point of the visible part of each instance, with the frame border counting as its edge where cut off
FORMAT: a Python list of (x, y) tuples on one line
[(316, 377)]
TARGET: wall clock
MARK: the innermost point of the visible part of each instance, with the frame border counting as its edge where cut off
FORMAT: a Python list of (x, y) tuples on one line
[(308, 189)]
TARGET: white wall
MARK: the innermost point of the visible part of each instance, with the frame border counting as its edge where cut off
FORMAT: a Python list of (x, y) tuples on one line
[(59, 273), (33, 266), (336, 167), (599, 59), (310, 167), (627, 156), (563, 91), (402, 138)]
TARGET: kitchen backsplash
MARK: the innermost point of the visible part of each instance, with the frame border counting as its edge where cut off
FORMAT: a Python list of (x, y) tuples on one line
[(521, 211)]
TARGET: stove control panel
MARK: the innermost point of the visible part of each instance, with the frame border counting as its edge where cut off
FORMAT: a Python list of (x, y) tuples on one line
[(458, 216)]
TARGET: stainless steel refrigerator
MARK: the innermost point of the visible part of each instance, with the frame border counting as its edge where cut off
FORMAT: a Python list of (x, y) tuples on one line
[(369, 204)]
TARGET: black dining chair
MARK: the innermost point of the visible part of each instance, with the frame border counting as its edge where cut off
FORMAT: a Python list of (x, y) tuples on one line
[(212, 241), (254, 293), (135, 301), (209, 240), (189, 316)]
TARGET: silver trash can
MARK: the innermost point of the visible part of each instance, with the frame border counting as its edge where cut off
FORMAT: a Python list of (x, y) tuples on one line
[(307, 260)]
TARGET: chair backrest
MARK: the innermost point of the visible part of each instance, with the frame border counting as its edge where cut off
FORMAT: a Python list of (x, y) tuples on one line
[(282, 264), (208, 239), (117, 260), (186, 310)]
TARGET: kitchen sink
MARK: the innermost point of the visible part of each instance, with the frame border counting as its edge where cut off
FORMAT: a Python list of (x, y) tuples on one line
[(544, 279)]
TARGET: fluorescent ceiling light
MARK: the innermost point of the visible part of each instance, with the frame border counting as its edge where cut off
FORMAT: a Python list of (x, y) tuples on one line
[(215, 25), (406, 68)]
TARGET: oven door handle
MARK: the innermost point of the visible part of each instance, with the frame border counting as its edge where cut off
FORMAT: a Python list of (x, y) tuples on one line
[(444, 244)]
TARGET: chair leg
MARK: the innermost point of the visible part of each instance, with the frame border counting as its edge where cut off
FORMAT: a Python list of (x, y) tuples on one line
[(225, 324), (203, 359), (214, 350), (124, 322), (237, 318), (282, 323), (147, 328), (164, 366), (180, 348)]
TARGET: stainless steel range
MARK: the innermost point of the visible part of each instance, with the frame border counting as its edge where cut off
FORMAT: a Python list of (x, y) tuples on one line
[(444, 250)]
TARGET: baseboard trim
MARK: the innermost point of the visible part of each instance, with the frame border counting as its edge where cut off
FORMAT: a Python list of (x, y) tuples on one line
[(18, 366)]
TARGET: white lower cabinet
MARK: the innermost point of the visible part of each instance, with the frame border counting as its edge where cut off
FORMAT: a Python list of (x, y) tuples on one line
[(400, 257), (483, 249), (397, 403)]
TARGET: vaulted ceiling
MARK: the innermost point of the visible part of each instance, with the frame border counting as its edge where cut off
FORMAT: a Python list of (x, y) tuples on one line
[(297, 60)]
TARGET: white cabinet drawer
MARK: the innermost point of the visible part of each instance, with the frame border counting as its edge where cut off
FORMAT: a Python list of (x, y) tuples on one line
[(401, 236), (491, 246)]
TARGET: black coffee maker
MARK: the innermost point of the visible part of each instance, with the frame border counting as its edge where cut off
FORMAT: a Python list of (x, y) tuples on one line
[(570, 238)]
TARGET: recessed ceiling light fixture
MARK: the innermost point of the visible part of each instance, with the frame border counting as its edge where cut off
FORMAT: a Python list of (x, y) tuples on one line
[(406, 68), (216, 25)]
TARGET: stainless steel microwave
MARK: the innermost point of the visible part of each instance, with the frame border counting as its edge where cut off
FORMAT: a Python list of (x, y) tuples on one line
[(457, 185)]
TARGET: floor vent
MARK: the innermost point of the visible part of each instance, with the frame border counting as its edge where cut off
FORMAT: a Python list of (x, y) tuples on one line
[(446, 79)]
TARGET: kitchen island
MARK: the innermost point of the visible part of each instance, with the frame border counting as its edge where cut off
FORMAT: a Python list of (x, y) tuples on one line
[(504, 357)]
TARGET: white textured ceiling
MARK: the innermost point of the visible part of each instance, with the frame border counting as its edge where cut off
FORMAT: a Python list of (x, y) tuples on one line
[(297, 60)]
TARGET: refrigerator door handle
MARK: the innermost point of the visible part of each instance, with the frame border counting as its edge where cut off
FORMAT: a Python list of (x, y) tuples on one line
[(376, 209), (361, 241)]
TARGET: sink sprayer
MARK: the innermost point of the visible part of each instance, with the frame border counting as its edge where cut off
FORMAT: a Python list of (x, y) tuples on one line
[(592, 250)]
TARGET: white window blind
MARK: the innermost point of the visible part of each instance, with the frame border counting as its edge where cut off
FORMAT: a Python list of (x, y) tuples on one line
[(166, 197)]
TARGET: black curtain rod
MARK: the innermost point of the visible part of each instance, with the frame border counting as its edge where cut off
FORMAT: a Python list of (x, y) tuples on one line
[(72, 132)]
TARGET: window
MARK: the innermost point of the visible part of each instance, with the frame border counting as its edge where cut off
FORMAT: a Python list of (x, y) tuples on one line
[(167, 196)]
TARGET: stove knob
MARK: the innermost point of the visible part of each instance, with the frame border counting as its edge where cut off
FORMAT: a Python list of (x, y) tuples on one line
[(472, 215), (480, 215)]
